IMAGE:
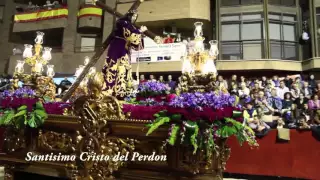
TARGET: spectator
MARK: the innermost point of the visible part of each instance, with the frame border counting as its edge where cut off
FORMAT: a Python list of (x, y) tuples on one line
[(222, 83), (264, 81), (304, 117), (314, 106), (282, 89), (244, 91), (276, 81), (288, 81), (298, 82), (287, 107), (312, 82), (252, 119), (306, 89), (295, 91)]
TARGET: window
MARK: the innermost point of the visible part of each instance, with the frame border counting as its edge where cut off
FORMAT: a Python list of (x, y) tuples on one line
[(88, 44), (242, 37), (283, 2), (318, 28), (239, 2), (283, 38)]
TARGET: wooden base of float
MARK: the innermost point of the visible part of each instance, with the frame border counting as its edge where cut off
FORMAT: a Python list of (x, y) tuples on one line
[(65, 135)]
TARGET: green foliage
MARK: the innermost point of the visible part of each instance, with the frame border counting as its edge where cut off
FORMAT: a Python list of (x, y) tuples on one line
[(174, 135), (20, 117), (200, 134)]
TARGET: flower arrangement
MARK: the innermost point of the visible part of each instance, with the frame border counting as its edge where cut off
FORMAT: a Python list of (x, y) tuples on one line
[(196, 119), (22, 108), (151, 89), (200, 100)]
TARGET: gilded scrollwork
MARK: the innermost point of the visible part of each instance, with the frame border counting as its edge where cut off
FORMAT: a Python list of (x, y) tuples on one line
[(14, 140), (94, 110), (57, 142)]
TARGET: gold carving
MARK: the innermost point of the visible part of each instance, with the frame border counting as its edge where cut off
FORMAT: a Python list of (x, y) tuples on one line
[(14, 139), (56, 142), (94, 111)]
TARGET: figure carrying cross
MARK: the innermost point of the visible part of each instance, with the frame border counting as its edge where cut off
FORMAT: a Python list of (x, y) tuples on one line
[(117, 69), (129, 35)]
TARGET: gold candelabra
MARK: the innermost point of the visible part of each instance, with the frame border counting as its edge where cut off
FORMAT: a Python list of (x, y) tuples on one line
[(36, 58), (198, 70)]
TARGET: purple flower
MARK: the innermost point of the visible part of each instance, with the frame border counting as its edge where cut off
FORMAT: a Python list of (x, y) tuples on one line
[(152, 88), (19, 93), (199, 100)]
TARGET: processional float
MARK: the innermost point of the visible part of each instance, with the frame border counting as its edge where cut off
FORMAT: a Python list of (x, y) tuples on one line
[(97, 125)]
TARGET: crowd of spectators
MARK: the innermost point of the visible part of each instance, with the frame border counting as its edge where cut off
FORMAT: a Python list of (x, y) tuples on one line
[(276, 102), (34, 7)]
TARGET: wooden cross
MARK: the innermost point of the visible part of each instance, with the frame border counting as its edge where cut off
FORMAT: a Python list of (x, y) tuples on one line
[(104, 46)]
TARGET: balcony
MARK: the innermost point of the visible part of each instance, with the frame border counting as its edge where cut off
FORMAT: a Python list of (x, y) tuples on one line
[(89, 18), (161, 13), (41, 19)]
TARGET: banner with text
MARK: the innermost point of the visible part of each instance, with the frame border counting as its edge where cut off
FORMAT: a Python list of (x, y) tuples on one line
[(159, 52)]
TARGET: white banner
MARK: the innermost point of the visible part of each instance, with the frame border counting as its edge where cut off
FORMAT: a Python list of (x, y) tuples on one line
[(159, 52)]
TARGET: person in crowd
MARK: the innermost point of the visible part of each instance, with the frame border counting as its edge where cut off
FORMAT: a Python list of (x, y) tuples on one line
[(264, 81), (300, 101), (275, 102), (276, 81), (288, 81), (168, 39), (256, 87), (306, 89), (312, 82), (298, 82), (242, 80), (233, 81), (282, 89), (304, 117), (267, 89), (314, 106), (244, 91), (234, 90), (250, 114), (222, 83), (269, 115), (287, 108), (317, 89), (64, 85), (295, 91)]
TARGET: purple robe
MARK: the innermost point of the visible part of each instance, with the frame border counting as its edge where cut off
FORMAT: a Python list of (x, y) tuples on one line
[(117, 68)]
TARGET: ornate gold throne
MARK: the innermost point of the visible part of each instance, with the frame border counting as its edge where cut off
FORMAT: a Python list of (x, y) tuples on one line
[(97, 125)]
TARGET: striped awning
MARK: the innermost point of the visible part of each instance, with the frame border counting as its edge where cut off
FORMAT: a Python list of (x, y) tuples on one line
[(41, 15), (90, 10)]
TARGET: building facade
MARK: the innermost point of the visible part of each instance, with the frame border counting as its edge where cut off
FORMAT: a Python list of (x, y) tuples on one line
[(253, 35)]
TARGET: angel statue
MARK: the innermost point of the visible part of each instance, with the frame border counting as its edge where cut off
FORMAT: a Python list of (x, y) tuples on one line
[(117, 69)]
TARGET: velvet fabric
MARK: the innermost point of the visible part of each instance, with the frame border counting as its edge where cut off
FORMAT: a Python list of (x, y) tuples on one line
[(117, 68), (297, 158)]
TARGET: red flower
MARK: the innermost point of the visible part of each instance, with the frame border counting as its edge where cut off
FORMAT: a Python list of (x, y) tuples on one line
[(170, 97)]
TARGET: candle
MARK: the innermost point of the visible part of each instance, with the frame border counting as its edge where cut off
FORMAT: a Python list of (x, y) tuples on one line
[(38, 67), (50, 71)]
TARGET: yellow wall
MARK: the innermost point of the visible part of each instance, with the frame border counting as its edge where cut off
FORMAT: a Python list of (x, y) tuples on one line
[(159, 10)]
